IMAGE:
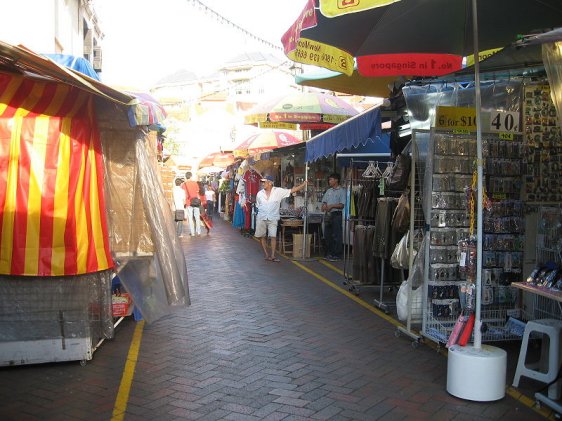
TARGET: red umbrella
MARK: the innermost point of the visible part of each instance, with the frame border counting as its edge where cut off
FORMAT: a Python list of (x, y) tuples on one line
[(265, 141)]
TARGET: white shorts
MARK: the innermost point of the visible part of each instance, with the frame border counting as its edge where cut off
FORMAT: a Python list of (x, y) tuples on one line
[(266, 227)]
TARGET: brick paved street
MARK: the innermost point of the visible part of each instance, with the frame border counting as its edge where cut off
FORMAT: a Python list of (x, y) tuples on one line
[(261, 341)]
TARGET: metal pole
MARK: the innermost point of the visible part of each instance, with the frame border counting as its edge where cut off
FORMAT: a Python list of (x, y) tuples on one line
[(306, 135), (479, 205)]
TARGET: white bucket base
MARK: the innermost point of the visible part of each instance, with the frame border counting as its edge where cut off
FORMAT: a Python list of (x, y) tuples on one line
[(476, 374)]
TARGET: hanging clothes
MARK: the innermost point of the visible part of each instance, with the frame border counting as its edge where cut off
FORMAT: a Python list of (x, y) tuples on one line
[(238, 219), (252, 181), (385, 239), (363, 264)]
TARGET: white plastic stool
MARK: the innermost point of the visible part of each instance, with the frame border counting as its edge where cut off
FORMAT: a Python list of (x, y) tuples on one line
[(546, 370)]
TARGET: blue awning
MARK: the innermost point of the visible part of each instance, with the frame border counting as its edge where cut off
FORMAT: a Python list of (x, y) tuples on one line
[(356, 131)]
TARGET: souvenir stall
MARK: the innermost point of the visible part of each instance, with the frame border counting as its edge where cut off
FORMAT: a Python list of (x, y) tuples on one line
[(363, 151), (247, 184), (80, 203), (521, 214), (291, 172)]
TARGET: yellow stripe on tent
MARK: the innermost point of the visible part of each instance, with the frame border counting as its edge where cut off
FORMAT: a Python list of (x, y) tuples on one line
[(82, 239), (36, 177), (7, 239), (61, 200)]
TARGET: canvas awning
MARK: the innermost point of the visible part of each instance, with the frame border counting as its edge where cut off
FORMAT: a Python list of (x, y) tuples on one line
[(358, 130), (144, 110)]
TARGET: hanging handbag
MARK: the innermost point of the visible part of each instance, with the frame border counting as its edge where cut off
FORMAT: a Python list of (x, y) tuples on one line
[(400, 258), (398, 178), (195, 202), (401, 217)]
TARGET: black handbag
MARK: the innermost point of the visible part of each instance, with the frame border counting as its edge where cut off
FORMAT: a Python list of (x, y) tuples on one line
[(179, 215), (195, 202), (398, 178)]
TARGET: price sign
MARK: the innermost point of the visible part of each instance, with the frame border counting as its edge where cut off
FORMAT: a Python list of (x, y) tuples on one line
[(506, 136), (504, 121), (459, 118)]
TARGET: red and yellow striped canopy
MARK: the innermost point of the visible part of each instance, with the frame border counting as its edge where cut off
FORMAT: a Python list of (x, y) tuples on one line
[(52, 207)]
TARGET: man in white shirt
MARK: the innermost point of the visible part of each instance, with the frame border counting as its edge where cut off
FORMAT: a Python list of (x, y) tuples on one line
[(179, 202), (268, 201)]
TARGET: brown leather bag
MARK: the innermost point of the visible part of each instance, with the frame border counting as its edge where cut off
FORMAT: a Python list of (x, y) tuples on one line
[(401, 217)]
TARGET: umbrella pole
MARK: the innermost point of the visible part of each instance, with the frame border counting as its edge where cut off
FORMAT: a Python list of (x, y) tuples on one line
[(305, 136), (305, 211), (472, 373), (480, 174)]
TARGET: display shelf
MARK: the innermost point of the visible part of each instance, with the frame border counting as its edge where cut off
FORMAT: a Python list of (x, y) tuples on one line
[(450, 179)]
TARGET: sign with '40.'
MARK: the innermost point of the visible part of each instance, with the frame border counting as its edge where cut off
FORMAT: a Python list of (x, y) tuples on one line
[(505, 121)]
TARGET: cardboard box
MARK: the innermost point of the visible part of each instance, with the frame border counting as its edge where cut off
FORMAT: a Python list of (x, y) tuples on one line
[(297, 245)]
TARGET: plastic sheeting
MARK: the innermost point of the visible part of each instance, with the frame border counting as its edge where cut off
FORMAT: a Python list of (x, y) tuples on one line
[(552, 58), (149, 259), (422, 102), (35, 308)]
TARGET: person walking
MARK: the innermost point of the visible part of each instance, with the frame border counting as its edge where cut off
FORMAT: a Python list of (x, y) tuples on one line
[(179, 202), (203, 207), (210, 196), (333, 203), (268, 202), (192, 204)]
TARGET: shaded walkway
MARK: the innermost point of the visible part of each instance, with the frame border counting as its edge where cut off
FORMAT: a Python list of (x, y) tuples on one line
[(261, 340)]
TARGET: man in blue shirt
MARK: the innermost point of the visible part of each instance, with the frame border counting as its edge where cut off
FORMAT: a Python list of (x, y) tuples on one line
[(333, 203)]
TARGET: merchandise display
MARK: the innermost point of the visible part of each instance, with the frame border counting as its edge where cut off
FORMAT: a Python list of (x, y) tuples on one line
[(543, 141), (451, 251)]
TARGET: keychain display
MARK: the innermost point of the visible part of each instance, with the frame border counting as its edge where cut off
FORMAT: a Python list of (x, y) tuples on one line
[(452, 233), (543, 146)]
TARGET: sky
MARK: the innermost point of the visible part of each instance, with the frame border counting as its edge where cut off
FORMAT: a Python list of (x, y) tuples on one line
[(146, 40)]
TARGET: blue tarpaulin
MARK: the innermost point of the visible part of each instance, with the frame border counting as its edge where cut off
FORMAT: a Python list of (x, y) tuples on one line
[(359, 130), (79, 64)]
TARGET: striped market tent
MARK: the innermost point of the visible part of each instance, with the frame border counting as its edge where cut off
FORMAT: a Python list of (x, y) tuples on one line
[(52, 205)]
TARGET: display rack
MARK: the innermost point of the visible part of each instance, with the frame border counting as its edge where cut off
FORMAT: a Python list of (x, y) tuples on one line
[(417, 226), (449, 178), (364, 271)]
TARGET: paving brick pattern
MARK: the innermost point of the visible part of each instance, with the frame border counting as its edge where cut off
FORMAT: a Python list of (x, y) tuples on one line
[(261, 341)]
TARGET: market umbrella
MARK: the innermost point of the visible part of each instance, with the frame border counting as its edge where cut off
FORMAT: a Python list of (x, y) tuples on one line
[(355, 84), (265, 141), (209, 170), (217, 159), (310, 110), (145, 110), (410, 37)]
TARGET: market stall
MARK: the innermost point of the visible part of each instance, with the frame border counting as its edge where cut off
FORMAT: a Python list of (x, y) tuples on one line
[(80, 202)]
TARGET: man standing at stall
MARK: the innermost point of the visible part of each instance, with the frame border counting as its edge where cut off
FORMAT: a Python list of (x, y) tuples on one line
[(268, 202), (333, 203)]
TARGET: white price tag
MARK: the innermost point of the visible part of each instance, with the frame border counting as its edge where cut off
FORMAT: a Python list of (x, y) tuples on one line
[(462, 260), (505, 121)]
